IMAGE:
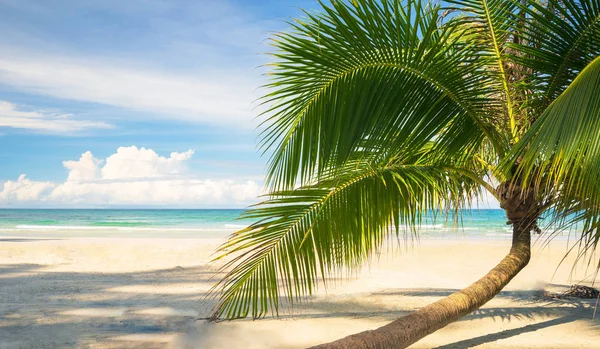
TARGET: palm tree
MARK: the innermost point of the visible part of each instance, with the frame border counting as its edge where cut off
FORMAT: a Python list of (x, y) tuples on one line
[(381, 112)]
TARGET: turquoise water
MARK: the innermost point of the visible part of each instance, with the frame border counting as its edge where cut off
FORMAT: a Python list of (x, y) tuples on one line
[(59, 222), (478, 224)]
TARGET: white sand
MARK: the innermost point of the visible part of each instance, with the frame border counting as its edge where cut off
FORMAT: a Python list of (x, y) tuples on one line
[(148, 293)]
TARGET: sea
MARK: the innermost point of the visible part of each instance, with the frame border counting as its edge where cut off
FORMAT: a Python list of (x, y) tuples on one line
[(207, 223)]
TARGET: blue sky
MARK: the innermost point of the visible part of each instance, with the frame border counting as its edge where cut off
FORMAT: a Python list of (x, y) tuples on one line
[(165, 75), (108, 103)]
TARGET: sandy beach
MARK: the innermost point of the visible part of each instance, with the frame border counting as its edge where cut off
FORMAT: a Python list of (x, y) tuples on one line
[(150, 293)]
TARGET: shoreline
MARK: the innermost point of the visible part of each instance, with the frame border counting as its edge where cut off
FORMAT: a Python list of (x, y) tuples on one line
[(223, 235)]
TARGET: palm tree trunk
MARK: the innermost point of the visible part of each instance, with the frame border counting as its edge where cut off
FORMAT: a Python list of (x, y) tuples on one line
[(410, 328)]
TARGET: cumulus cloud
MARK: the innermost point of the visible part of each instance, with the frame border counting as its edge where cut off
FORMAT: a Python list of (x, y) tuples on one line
[(131, 162), (11, 116), (131, 176), (85, 169), (24, 189)]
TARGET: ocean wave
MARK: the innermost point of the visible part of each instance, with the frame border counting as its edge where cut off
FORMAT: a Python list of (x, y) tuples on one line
[(120, 228), (56, 227), (236, 226)]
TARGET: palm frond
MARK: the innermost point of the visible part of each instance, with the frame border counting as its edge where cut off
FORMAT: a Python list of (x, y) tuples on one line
[(371, 74), (304, 235), (490, 24), (560, 38)]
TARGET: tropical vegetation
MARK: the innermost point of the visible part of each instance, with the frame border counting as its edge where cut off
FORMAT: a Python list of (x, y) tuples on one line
[(381, 112)]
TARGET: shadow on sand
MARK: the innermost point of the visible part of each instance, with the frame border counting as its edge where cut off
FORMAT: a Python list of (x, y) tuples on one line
[(145, 309), (492, 337), (73, 310), (25, 240)]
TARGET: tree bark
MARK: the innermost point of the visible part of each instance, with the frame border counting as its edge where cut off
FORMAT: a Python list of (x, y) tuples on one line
[(410, 328)]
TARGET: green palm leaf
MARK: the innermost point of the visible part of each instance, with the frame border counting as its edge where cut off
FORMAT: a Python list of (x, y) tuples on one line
[(304, 235), (560, 39), (490, 23), (382, 111), (366, 76)]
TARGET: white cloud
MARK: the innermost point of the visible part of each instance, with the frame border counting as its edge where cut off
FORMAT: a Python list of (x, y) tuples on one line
[(214, 98), (131, 176), (24, 189), (85, 169), (187, 60), (11, 116), (131, 162)]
